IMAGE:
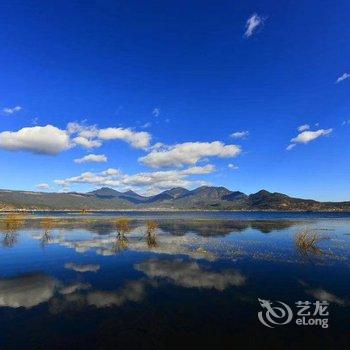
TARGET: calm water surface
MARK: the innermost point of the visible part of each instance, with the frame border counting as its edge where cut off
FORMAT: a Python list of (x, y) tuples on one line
[(71, 283)]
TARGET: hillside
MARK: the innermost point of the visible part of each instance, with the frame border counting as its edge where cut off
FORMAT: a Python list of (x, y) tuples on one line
[(205, 198)]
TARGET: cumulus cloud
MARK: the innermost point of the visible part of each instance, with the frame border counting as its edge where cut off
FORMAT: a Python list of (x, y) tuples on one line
[(190, 274), (343, 77), (97, 158), (137, 139), (303, 127), (240, 134), (51, 140), (43, 186), (188, 153), (82, 267), (252, 24), (47, 140), (308, 136), (11, 110), (26, 291), (145, 181)]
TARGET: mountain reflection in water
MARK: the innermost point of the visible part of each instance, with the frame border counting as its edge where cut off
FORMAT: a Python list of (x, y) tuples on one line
[(76, 283)]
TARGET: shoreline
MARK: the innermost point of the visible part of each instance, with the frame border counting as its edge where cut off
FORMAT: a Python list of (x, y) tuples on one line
[(163, 210)]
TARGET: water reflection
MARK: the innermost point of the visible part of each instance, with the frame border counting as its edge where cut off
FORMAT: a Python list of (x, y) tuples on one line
[(82, 267), (189, 274), (163, 278), (174, 227), (9, 227), (27, 290)]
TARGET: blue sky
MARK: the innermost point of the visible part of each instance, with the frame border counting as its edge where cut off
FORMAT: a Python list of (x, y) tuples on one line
[(155, 90)]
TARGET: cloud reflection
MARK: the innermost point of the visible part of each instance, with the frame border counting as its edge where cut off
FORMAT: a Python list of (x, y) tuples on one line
[(82, 267), (190, 274), (26, 290)]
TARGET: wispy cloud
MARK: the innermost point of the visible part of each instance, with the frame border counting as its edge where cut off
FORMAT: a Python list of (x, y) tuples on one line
[(97, 158), (240, 134), (343, 77), (307, 136), (43, 186), (156, 112), (252, 24), (303, 127), (232, 166), (11, 110)]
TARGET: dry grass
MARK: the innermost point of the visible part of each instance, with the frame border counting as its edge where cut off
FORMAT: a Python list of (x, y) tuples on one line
[(306, 242), (152, 227), (47, 224), (123, 226), (9, 226), (13, 222)]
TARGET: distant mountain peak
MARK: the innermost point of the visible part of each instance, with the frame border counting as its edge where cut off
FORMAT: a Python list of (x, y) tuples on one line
[(130, 192), (105, 192)]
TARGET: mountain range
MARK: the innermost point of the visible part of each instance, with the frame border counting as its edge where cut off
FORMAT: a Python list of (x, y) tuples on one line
[(201, 198)]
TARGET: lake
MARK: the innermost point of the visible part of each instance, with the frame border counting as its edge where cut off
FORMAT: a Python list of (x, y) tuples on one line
[(169, 279)]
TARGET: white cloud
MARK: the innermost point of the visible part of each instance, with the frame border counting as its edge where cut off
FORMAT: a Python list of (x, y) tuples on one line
[(43, 186), (252, 24), (87, 143), (137, 139), (290, 146), (98, 158), (156, 112), (343, 77), (240, 134), (52, 140), (146, 181), (188, 153), (38, 139), (190, 274), (303, 127), (90, 136), (308, 136), (345, 122), (232, 166), (11, 110), (104, 178)]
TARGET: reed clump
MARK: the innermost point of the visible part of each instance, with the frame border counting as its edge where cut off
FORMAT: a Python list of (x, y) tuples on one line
[(13, 222), (123, 226), (151, 230), (47, 224), (306, 242)]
